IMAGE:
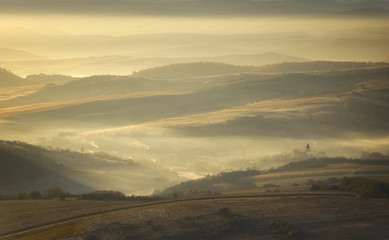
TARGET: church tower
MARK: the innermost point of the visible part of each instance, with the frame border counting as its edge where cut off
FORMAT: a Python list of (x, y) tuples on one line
[(307, 148)]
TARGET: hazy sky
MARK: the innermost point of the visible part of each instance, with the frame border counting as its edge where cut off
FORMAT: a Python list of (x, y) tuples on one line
[(122, 17), (189, 7), (30, 25)]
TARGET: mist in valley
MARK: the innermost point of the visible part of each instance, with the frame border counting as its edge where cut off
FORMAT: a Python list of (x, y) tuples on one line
[(153, 93)]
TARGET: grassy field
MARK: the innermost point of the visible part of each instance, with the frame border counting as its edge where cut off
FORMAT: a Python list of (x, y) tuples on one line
[(288, 210), (301, 177), (17, 214), (316, 217)]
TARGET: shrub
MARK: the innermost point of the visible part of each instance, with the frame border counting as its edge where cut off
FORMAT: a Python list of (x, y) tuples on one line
[(90, 237), (232, 224), (35, 195), (333, 180), (225, 212), (282, 227), (20, 196), (319, 185), (192, 192), (365, 187), (333, 187), (315, 187), (104, 195), (56, 192)]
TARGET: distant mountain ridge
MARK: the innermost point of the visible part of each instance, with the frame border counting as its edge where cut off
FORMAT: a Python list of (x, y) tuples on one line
[(8, 54), (125, 65), (258, 59), (312, 66), (191, 70)]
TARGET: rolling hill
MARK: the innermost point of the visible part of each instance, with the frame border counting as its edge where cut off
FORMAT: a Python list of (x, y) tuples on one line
[(26, 167), (259, 59), (301, 173), (8, 79), (174, 123), (8, 54), (341, 97), (91, 87), (125, 65), (314, 66), (191, 70), (122, 96)]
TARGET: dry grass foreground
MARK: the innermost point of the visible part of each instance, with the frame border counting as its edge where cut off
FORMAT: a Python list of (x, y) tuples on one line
[(19, 214), (293, 217)]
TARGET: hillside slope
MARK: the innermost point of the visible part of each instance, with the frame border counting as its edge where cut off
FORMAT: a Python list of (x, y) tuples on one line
[(9, 54), (125, 65), (26, 167), (176, 124), (247, 104), (8, 79), (191, 70), (313, 66)]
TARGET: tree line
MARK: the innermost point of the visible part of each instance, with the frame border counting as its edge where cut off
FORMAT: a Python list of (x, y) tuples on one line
[(59, 193), (51, 193)]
